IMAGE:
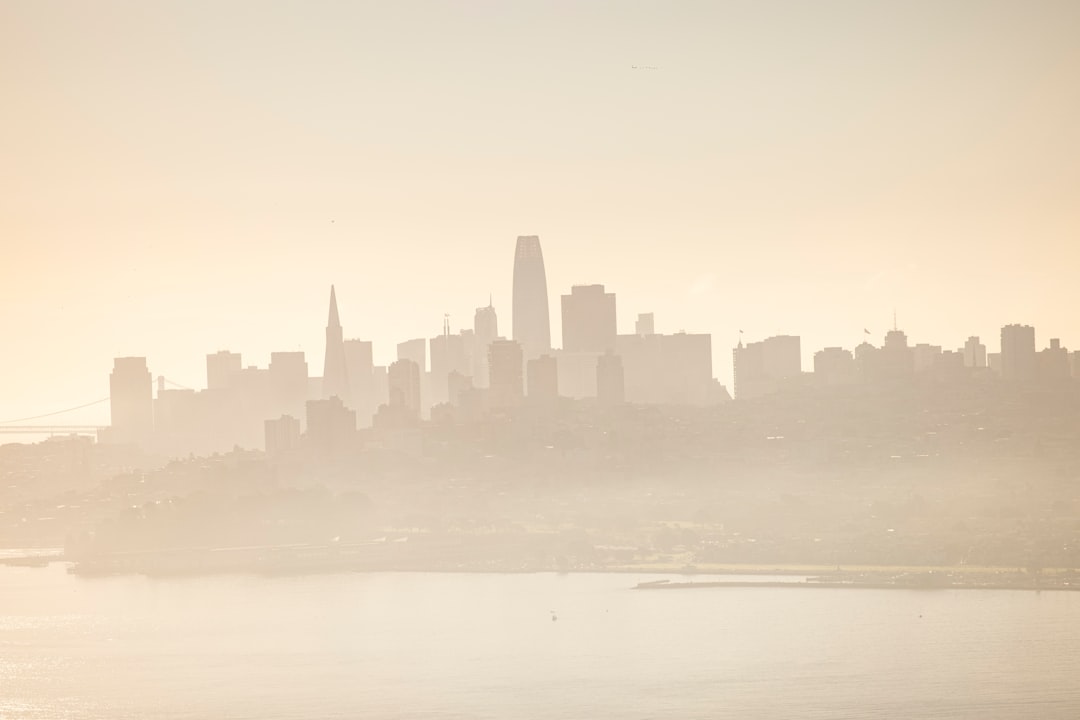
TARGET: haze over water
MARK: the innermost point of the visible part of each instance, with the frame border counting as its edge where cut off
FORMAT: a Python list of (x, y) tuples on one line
[(805, 304), (411, 645)]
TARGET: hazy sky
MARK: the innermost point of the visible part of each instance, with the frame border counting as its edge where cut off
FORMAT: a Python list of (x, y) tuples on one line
[(182, 177)]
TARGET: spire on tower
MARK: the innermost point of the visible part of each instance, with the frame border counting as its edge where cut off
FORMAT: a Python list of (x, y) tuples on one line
[(335, 380), (332, 320)]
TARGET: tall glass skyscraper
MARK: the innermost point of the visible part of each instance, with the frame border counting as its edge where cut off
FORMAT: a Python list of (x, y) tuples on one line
[(532, 325)]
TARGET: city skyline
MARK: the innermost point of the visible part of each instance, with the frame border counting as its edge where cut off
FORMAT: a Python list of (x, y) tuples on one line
[(757, 180), (533, 358), (337, 337)]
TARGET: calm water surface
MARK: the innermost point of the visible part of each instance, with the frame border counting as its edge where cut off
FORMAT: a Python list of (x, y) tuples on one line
[(401, 645)]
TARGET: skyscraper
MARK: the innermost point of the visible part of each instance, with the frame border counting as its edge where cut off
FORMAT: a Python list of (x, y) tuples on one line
[(485, 330), (1018, 359), (610, 379), (760, 367), (588, 319), (131, 404), (288, 383), (974, 353), (543, 379), (506, 363), (221, 369), (335, 382), (532, 324), (359, 369), (415, 350), (403, 377), (447, 355)]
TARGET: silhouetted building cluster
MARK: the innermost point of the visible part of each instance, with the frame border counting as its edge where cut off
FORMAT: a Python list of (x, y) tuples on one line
[(468, 374), (476, 373), (774, 364)]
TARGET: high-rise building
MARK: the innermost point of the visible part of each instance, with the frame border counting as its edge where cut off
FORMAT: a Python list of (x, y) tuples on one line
[(222, 368), (1018, 359), (282, 435), (610, 381), (131, 401), (335, 380), (254, 405), (330, 425), (359, 366), (1054, 362), (577, 374), (645, 324), (380, 385), (925, 357), (531, 320), (403, 380), (506, 361), (667, 369), (974, 353), (588, 319), (288, 383), (543, 379), (448, 355), (485, 330), (761, 367), (415, 350), (459, 388), (834, 366), (897, 358)]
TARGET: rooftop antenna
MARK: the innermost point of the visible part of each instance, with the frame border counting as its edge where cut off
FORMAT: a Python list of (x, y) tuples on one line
[(894, 319), (446, 325)]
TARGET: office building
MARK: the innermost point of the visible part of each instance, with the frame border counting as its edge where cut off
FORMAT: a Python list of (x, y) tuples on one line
[(282, 435), (645, 324), (925, 357), (1054, 365), (974, 353), (330, 425), (667, 369), (610, 381), (335, 380), (403, 381), (222, 368), (360, 366), (131, 402), (414, 350), (288, 383), (542, 375), (834, 366), (588, 320), (506, 360), (447, 355), (762, 368), (531, 321), (1019, 361), (485, 330)]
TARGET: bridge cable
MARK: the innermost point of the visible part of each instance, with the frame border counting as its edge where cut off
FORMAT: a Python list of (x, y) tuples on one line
[(51, 414)]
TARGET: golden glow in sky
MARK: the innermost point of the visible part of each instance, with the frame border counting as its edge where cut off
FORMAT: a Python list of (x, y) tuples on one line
[(182, 177)]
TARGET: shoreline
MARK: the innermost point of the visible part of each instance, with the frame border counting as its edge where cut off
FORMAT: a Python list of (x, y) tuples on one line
[(268, 563), (854, 585)]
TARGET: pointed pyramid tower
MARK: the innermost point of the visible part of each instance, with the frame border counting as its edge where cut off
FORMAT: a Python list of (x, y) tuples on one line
[(335, 380)]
